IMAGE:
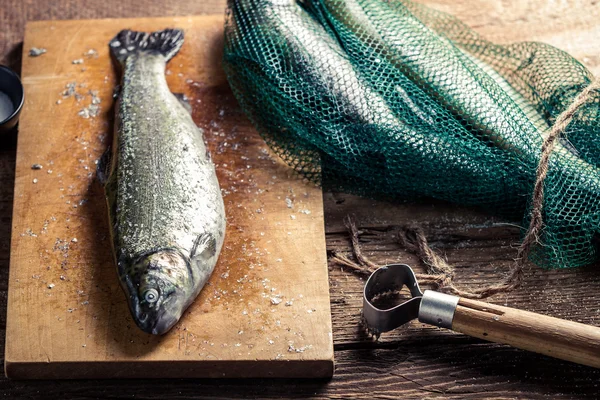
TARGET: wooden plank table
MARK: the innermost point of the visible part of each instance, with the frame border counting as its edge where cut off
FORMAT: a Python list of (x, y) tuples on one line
[(413, 362)]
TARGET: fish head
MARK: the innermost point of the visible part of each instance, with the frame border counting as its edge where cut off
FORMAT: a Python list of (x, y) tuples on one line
[(160, 295)]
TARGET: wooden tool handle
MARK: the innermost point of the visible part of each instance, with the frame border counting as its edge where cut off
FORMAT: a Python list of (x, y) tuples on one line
[(525, 330)]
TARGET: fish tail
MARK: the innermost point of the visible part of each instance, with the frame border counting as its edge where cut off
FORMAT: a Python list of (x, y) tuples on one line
[(127, 42)]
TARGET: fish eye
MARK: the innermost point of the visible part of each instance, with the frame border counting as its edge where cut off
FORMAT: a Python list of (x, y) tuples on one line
[(151, 295)]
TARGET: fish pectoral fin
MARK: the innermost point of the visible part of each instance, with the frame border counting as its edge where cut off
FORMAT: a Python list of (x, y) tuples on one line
[(103, 168), (183, 99), (205, 246)]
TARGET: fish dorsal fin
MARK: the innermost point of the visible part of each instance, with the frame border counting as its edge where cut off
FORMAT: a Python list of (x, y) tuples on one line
[(205, 246)]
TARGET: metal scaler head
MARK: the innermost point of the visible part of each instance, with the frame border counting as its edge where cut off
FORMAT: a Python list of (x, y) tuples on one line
[(554, 337), (385, 279)]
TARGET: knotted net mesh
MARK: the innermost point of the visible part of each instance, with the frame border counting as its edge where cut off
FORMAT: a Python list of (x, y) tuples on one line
[(391, 99)]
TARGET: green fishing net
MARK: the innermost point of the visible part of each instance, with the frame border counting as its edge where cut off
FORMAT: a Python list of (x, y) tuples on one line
[(390, 99)]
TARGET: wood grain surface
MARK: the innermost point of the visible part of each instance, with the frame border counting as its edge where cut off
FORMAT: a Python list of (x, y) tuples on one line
[(265, 310), (414, 362)]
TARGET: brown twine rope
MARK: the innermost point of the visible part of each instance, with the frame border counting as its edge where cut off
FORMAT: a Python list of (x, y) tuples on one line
[(561, 123), (439, 272)]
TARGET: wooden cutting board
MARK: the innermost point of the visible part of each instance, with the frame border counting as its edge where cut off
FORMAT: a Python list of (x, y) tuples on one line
[(265, 311)]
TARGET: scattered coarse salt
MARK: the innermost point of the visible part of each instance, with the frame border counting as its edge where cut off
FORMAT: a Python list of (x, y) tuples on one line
[(302, 349), (51, 285)]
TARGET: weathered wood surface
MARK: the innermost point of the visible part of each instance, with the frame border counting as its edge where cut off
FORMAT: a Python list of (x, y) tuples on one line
[(413, 362)]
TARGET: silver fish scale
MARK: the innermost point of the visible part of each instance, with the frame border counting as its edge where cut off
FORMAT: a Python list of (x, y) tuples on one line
[(167, 193)]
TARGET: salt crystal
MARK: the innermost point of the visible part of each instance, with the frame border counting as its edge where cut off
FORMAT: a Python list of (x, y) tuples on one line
[(275, 300), (35, 51), (91, 53), (50, 286), (78, 61)]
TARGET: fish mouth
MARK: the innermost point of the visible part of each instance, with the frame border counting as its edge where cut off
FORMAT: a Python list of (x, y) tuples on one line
[(163, 324), (155, 322)]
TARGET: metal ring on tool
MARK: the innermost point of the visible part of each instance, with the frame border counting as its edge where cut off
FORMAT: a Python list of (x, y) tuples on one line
[(437, 309)]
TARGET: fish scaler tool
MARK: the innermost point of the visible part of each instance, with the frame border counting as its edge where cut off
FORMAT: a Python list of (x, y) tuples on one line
[(554, 337)]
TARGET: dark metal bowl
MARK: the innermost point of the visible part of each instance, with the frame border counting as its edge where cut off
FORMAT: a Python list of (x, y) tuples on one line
[(10, 84)]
